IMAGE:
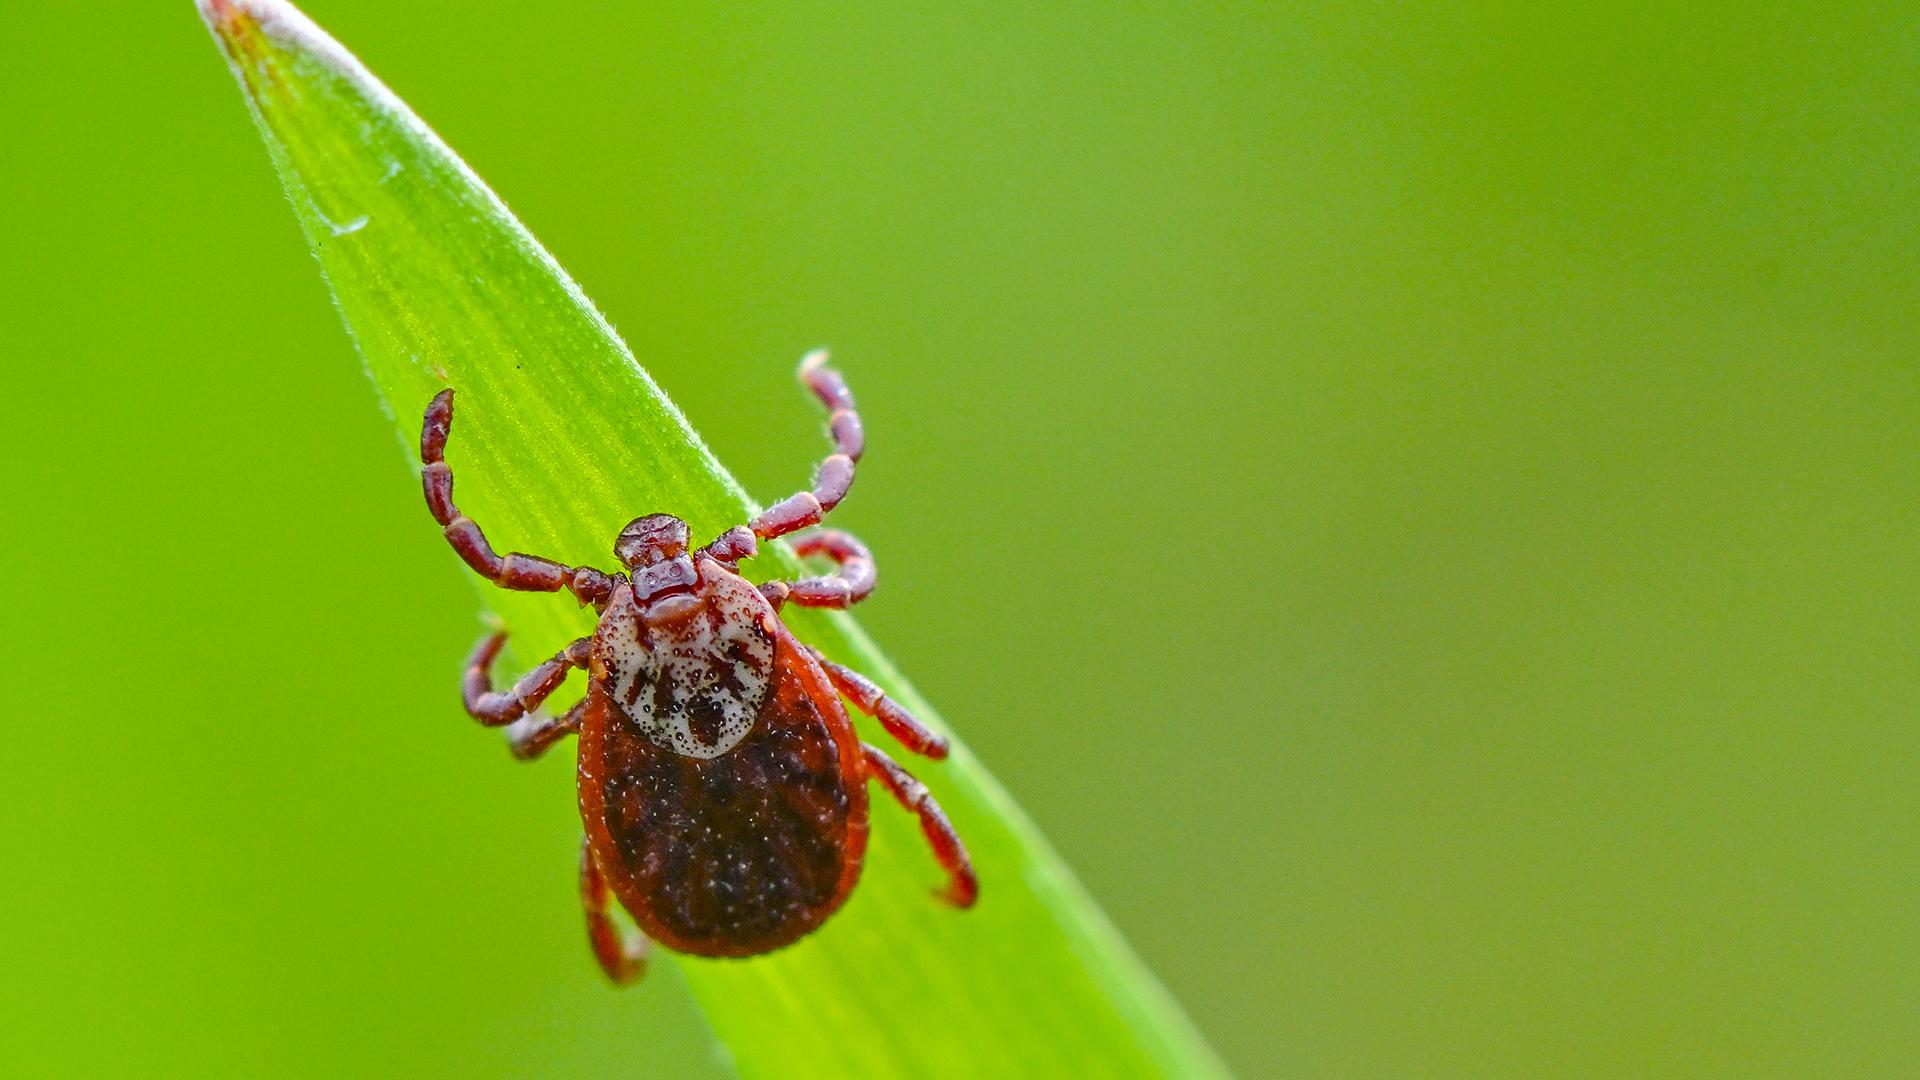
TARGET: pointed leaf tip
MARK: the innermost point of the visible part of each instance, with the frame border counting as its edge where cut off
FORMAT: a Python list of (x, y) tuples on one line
[(233, 21), (225, 17)]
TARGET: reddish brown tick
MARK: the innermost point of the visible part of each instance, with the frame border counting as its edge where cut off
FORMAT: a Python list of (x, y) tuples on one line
[(723, 789)]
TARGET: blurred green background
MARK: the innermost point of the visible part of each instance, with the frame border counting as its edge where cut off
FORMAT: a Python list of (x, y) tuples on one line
[(1420, 505)]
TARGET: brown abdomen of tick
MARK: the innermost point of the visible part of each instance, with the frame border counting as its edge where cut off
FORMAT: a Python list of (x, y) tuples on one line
[(739, 853)]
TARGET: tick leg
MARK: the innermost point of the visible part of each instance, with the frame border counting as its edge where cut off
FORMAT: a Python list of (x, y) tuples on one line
[(496, 709), (535, 733), (962, 887), (835, 475), (623, 956), (731, 546), (528, 573), (873, 701), (851, 583)]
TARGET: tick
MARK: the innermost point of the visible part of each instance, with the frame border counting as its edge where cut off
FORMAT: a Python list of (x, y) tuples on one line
[(721, 784)]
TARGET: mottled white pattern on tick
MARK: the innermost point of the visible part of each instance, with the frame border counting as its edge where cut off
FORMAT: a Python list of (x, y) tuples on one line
[(715, 664)]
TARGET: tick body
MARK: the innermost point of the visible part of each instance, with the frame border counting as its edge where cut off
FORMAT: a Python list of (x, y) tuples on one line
[(722, 787)]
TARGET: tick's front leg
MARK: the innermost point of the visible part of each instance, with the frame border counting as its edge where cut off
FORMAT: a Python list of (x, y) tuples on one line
[(515, 570), (962, 887), (496, 709), (870, 699), (623, 956), (835, 475)]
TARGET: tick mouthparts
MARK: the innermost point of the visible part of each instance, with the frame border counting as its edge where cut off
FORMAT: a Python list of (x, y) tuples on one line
[(672, 575)]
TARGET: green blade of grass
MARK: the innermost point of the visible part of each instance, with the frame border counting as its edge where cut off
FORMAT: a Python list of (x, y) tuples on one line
[(561, 438)]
